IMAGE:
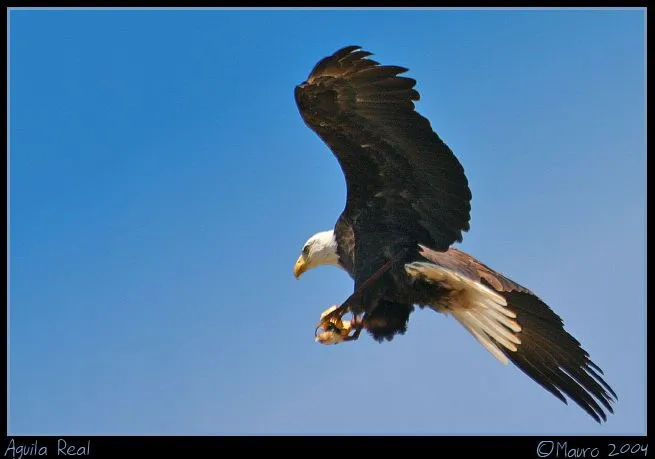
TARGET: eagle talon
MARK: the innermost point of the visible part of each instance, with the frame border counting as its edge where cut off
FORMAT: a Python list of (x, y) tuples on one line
[(335, 329)]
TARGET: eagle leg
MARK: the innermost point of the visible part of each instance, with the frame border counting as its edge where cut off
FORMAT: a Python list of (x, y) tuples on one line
[(368, 283), (335, 329), (358, 324), (332, 315)]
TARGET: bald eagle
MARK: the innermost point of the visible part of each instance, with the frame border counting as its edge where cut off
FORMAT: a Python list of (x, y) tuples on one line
[(408, 201)]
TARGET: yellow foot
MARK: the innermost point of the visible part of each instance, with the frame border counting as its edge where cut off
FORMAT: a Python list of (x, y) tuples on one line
[(333, 328)]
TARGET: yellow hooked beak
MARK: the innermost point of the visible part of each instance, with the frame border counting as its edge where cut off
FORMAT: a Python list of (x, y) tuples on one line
[(300, 267)]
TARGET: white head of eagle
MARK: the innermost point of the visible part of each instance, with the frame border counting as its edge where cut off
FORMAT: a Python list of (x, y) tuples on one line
[(319, 250)]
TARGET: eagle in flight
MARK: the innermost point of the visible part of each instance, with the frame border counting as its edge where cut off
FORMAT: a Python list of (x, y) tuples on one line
[(408, 201)]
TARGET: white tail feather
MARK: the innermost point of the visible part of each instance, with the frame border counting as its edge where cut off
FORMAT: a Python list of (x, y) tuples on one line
[(482, 311)]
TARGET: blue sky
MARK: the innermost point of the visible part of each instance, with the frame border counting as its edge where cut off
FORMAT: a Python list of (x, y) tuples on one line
[(162, 184)]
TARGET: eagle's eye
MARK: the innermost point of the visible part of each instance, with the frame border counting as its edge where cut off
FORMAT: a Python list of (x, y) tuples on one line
[(305, 250)]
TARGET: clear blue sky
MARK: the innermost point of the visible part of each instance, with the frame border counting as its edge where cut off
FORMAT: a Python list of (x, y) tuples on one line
[(162, 184)]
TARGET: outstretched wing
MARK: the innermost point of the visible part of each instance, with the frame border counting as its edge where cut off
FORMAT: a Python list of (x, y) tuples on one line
[(401, 178), (512, 322)]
